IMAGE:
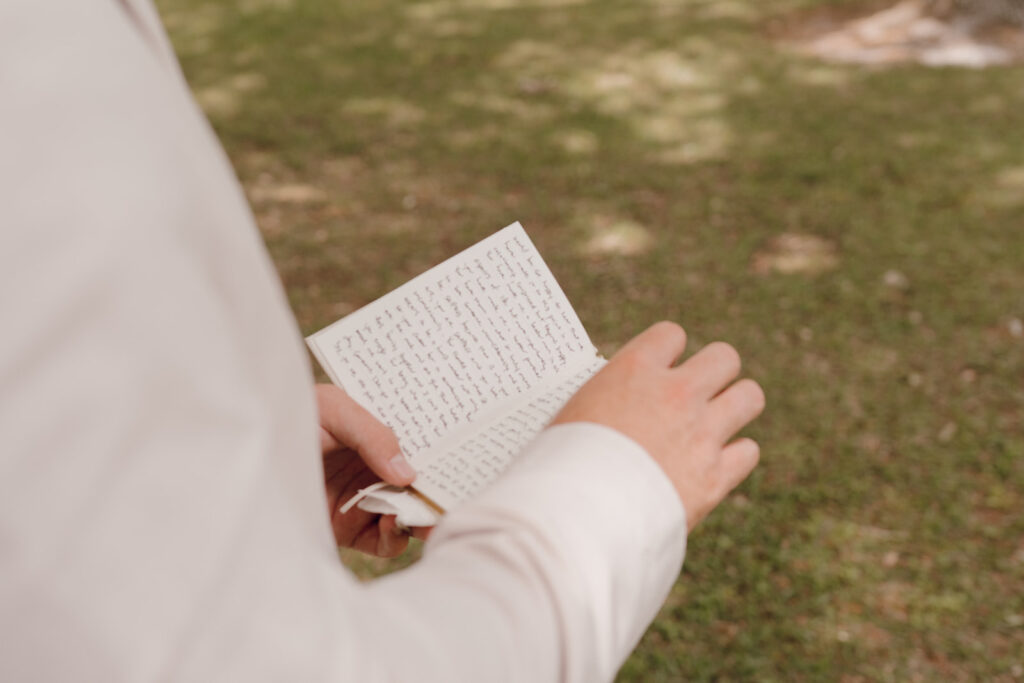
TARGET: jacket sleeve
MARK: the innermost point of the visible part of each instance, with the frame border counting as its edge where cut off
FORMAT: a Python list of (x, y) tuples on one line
[(552, 574), (162, 513)]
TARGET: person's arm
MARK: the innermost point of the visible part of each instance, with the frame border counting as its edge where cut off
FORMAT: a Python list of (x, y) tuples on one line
[(161, 485), (359, 450), (693, 404), (554, 572), (684, 416)]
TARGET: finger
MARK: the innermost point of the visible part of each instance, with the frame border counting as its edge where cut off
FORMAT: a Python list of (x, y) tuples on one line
[(367, 541), (421, 532), (737, 461), (372, 541), (735, 407), (711, 369), (349, 424), (349, 527), (391, 540), (661, 343)]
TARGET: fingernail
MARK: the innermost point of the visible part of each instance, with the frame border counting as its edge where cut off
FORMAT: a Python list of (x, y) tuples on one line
[(401, 467)]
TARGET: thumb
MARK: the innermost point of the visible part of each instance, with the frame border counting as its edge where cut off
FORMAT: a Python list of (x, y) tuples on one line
[(346, 423), (661, 343)]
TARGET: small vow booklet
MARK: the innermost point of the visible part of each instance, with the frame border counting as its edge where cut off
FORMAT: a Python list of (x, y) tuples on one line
[(466, 363)]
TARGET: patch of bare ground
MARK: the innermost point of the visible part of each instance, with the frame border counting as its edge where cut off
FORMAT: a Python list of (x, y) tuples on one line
[(796, 253), (910, 31), (807, 22)]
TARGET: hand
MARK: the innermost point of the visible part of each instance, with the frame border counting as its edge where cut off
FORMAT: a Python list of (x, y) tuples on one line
[(683, 416), (359, 450)]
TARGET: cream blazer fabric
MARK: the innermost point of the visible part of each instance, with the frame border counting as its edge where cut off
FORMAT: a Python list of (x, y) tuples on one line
[(162, 513)]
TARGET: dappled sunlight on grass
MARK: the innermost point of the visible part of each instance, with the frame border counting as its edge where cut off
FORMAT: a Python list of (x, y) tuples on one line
[(478, 136), (443, 19), (526, 54), (194, 27), (668, 99), (225, 99), (1006, 189), (854, 232), (392, 110), (617, 237), (518, 108), (912, 139), (249, 6), (823, 75), (796, 253), (265, 190), (435, 9), (673, 99), (577, 142), (715, 10)]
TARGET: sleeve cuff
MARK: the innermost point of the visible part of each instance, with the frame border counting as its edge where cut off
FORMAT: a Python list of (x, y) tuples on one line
[(608, 531)]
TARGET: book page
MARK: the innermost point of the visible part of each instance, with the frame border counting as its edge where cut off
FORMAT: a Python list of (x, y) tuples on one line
[(480, 329), (472, 458)]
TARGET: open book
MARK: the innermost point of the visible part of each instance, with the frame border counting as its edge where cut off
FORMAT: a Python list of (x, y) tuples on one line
[(466, 363)]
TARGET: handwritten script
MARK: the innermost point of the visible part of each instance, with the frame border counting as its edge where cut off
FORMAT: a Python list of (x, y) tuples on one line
[(482, 349)]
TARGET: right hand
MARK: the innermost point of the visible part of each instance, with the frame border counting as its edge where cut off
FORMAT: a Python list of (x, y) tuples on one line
[(359, 450), (683, 416)]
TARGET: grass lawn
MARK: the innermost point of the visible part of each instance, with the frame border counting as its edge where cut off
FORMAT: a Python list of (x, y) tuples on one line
[(855, 233)]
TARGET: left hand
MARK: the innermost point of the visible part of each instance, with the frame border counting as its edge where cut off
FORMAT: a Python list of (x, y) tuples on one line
[(359, 450)]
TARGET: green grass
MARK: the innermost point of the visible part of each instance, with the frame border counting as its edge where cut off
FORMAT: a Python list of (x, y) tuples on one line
[(882, 537)]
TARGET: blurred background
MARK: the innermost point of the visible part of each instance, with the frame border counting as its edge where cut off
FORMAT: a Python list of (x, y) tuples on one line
[(836, 188)]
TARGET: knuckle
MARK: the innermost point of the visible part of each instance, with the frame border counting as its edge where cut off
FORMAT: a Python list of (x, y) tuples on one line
[(628, 362), (397, 546), (755, 452), (668, 329), (725, 354), (678, 392), (655, 341), (705, 437), (760, 400), (384, 434), (325, 390), (753, 394), (751, 449), (746, 453), (718, 485), (664, 333)]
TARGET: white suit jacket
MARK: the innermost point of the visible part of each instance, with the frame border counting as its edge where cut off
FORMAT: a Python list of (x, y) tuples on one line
[(162, 513)]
